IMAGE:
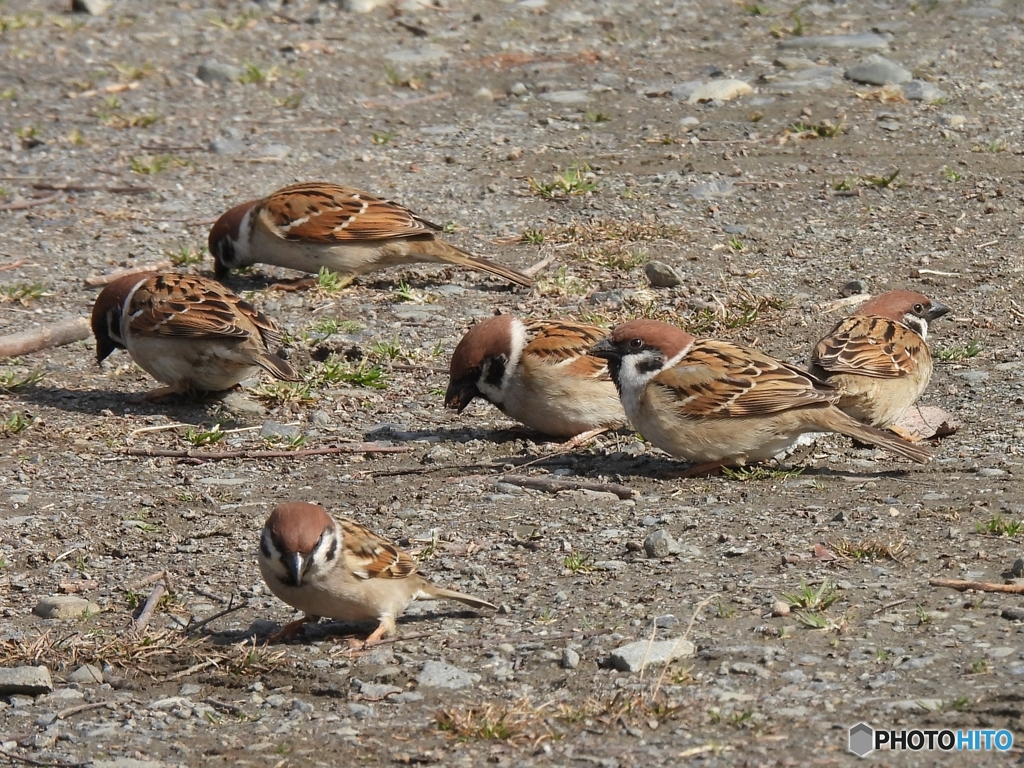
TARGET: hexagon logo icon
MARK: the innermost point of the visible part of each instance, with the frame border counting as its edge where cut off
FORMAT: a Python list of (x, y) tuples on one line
[(862, 739)]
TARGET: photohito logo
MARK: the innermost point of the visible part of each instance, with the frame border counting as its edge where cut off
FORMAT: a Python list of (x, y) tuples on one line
[(864, 740)]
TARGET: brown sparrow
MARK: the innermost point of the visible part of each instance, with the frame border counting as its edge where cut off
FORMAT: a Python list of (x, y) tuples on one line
[(538, 374), (316, 224), (337, 568), (190, 333), (720, 404), (879, 357)]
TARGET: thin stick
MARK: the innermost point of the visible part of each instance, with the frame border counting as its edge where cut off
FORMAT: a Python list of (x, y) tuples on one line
[(20, 205), (194, 668), (582, 635), (48, 336), (230, 609), (148, 609), (535, 269), (13, 265), (109, 277), (168, 453), (979, 586), (153, 577), (65, 713), (552, 485), (223, 706), (93, 188), (849, 301), (46, 764)]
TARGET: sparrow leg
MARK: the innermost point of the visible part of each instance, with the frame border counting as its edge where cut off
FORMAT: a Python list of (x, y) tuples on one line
[(160, 394), (910, 435), (582, 439), (292, 628), (386, 627)]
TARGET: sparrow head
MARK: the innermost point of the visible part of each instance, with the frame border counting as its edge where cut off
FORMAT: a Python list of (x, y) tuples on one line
[(228, 239), (298, 540), (107, 312), (483, 361), (910, 308), (639, 350)]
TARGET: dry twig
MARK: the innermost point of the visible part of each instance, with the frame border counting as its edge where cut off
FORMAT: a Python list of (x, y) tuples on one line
[(551, 485), (188, 630), (978, 586), (49, 336), (98, 280), (153, 600), (535, 269), (515, 639), (170, 453), (20, 205)]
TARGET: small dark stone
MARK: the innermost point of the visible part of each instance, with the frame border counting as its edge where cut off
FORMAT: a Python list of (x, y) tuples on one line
[(854, 288)]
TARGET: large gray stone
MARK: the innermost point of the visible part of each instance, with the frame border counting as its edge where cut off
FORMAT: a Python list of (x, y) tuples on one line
[(65, 607), (660, 544), (439, 674), (31, 681), (878, 70), (922, 90), (712, 190), (566, 97), (643, 653), (862, 40), (662, 275), (217, 72)]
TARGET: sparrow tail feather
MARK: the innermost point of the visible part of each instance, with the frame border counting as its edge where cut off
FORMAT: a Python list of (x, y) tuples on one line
[(850, 427), (277, 367), (439, 593), (450, 254)]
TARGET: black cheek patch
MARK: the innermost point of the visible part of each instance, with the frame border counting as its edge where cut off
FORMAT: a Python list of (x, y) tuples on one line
[(332, 552), (265, 549), (648, 364), (495, 372)]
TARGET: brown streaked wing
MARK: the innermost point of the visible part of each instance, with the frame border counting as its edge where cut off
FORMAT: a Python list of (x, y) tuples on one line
[(717, 379), (555, 343), (185, 306), (869, 346), (329, 213), (369, 556)]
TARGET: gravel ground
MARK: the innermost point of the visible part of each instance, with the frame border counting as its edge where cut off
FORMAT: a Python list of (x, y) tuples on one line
[(729, 142)]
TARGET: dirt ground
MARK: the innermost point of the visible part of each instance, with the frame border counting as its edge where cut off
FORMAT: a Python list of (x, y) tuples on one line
[(537, 128)]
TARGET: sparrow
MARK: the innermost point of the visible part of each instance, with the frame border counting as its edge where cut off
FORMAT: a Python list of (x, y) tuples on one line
[(539, 374), (337, 568), (721, 404), (879, 356), (190, 333), (316, 224)]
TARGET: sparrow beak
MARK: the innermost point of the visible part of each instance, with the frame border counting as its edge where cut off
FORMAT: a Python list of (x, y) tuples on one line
[(105, 346), (604, 349), (937, 310), (293, 564), (461, 393)]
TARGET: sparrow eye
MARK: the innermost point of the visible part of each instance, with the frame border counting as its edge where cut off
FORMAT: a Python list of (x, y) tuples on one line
[(918, 309), (636, 344)]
